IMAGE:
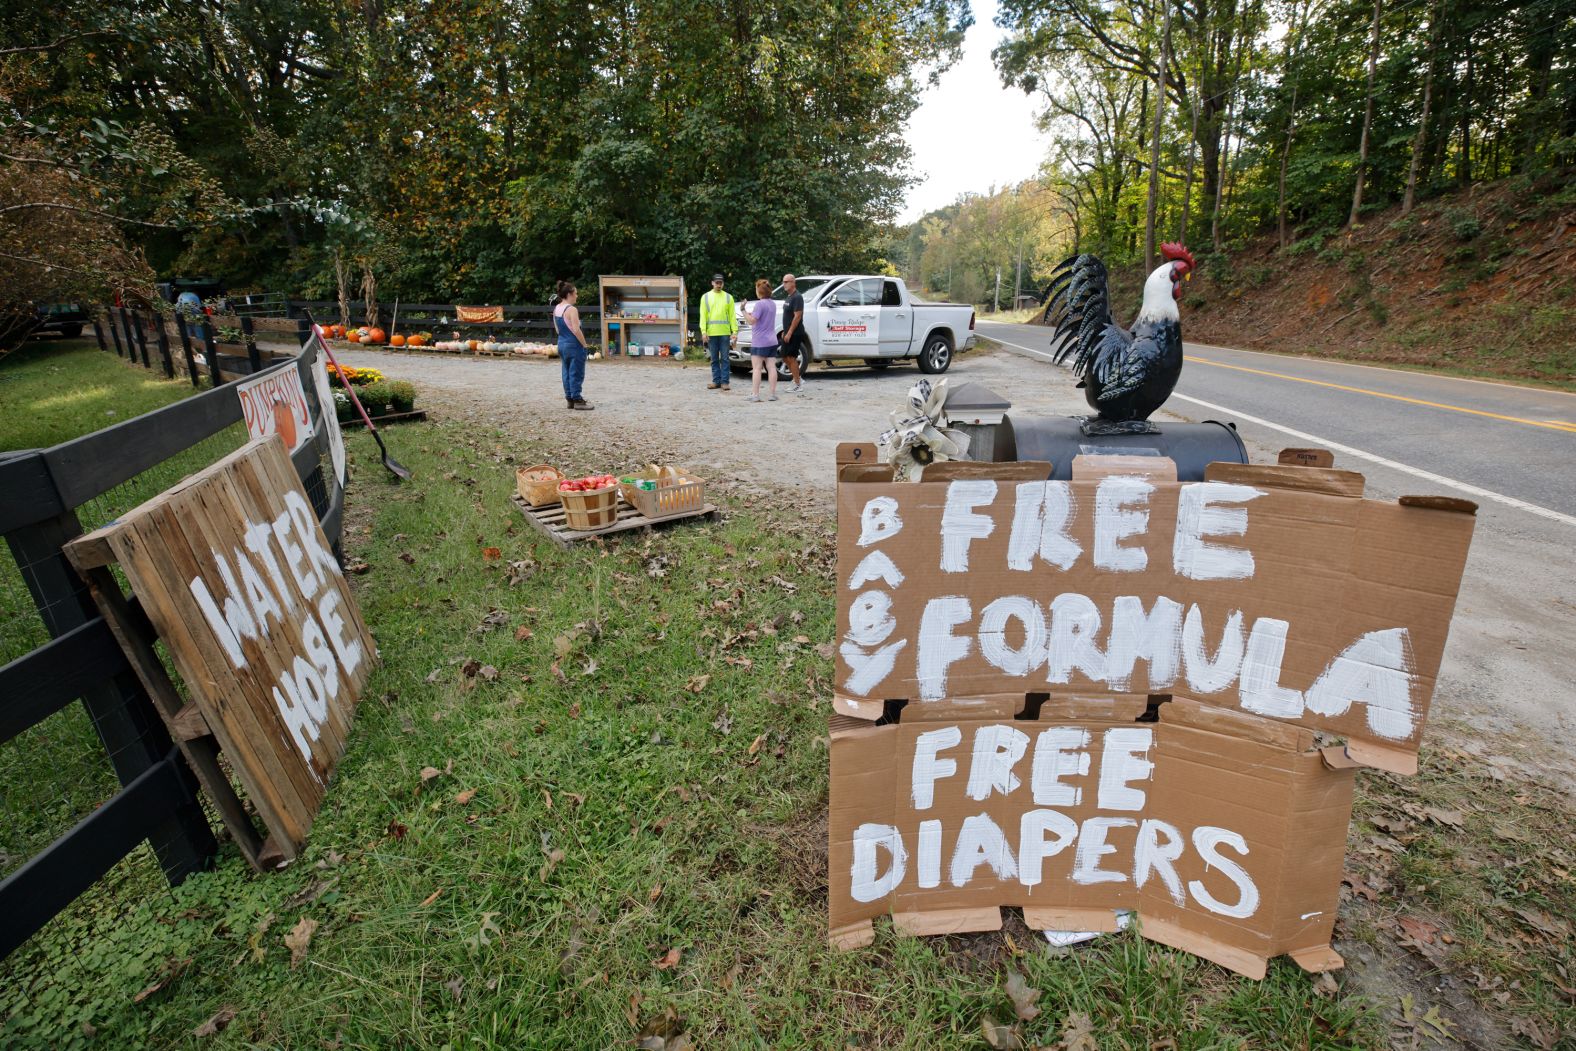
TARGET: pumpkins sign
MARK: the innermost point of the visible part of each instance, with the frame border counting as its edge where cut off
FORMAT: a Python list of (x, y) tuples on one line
[(274, 402)]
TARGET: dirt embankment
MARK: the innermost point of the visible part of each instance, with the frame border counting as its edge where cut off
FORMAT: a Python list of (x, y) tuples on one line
[(1482, 281)]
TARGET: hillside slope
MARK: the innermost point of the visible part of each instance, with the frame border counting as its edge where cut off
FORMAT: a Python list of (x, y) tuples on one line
[(1481, 282)]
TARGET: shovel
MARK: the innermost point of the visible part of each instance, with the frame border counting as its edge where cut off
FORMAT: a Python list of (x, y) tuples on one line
[(397, 469)]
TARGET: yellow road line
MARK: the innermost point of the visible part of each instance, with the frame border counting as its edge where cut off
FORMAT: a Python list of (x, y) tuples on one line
[(1549, 425)]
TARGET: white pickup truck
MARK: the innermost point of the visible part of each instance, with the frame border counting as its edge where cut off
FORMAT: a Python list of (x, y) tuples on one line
[(870, 318)]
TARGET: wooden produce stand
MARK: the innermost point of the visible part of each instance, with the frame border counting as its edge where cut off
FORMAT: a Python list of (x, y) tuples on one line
[(643, 311)]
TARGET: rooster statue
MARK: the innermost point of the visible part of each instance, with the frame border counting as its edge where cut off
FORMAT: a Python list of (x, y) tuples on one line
[(1125, 375)]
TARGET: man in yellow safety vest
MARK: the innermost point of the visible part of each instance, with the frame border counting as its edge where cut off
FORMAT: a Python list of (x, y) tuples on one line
[(719, 327)]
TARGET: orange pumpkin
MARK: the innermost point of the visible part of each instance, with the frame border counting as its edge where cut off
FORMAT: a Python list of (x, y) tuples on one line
[(473, 344), (415, 341), (378, 335), (396, 341), (367, 340)]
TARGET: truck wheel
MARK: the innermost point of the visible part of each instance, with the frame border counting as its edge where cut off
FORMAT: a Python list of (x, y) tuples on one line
[(71, 331), (936, 356)]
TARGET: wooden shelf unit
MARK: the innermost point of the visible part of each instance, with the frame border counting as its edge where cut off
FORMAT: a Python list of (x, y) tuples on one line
[(641, 295)]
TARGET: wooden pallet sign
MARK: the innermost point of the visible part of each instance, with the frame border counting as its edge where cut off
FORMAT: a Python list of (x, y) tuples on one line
[(231, 571)]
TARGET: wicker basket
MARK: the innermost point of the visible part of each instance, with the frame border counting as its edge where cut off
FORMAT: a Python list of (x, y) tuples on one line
[(688, 494), (591, 510), (538, 485)]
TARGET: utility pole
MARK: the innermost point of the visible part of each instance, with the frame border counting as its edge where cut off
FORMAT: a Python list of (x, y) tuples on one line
[(1154, 144), (1017, 281), (995, 305)]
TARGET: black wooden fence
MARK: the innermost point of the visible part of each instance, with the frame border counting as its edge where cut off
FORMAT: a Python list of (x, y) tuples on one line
[(520, 319), (48, 497)]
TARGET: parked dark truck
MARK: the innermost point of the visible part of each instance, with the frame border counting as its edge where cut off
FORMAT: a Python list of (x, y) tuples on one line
[(873, 319)]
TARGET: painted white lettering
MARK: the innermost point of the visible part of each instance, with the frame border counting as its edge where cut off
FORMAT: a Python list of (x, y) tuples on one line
[(864, 882), (302, 729), (1158, 847), (1206, 840), (1375, 671), (993, 635), (1121, 510), (231, 626), (311, 534), (256, 536), (1092, 847), (1075, 622), (322, 657), (295, 557), (1060, 752), (997, 749), (878, 521), (1154, 637), (960, 526), (1205, 676), (1124, 758), (257, 594), (929, 767), (1039, 526), (348, 647), (867, 670), (311, 690), (1261, 690), (980, 842), (1200, 515), (875, 566), (1033, 846), (938, 647), (870, 620), (928, 854)]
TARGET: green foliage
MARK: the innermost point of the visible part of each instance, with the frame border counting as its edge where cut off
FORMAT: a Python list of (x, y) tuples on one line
[(1465, 225), (402, 395), (376, 397)]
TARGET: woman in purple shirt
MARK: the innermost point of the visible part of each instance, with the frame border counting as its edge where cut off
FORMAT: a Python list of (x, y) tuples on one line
[(763, 340)]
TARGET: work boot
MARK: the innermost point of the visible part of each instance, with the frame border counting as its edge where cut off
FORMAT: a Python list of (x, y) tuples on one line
[(581, 403)]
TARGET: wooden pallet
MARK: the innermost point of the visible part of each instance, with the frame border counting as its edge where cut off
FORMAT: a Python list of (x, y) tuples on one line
[(550, 520)]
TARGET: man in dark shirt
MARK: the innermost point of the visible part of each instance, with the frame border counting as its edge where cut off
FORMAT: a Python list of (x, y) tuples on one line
[(792, 337)]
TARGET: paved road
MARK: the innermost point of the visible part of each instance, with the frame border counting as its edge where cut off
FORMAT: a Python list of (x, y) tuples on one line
[(1511, 445)]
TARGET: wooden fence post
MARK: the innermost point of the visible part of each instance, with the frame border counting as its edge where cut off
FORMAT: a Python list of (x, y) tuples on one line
[(125, 328), (133, 734), (109, 319), (252, 355), (164, 346), (212, 351), (142, 338), (186, 348), (98, 330)]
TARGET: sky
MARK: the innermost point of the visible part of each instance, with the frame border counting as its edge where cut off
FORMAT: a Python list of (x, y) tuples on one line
[(970, 132)]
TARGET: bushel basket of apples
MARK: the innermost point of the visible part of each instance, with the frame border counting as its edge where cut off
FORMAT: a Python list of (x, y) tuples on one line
[(590, 502)]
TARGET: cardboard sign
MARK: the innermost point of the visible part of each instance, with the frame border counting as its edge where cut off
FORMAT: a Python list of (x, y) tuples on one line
[(325, 398), (239, 582), (1275, 591), (1225, 833), (275, 403)]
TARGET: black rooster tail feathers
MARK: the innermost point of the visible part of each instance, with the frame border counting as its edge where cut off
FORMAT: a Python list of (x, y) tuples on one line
[(1077, 304)]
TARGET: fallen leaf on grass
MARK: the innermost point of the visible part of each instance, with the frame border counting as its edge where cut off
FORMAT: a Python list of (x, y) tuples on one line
[(308, 894), (697, 683), (215, 1025), (429, 772), (465, 797), (1416, 929), (470, 668), (407, 558), (491, 554), (171, 971), (553, 858), (485, 933), (429, 899), (1360, 887), (668, 960), (299, 938), (1535, 1033), (665, 1032), (1022, 995), (755, 745), (488, 672), (397, 830), (522, 633), (256, 938), (574, 710), (1000, 1036), (454, 985), (1078, 1033), (655, 893), (1450, 818), (1326, 986), (357, 566)]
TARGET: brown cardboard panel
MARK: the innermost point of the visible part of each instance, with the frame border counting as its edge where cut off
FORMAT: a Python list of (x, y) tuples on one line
[(1046, 919), (1281, 595), (1225, 838), (947, 921), (1088, 467), (1283, 476), (865, 472), (1306, 458), (857, 452), (1021, 470)]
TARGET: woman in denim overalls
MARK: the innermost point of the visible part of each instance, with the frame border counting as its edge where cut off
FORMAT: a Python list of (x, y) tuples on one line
[(571, 345)]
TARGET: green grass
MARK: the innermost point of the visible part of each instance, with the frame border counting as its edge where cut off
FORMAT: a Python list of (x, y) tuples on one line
[(56, 390), (649, 774)]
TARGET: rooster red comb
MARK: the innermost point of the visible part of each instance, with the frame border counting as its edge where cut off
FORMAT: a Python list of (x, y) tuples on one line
[(1174, 251)]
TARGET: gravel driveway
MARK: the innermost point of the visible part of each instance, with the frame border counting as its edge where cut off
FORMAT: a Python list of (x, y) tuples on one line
[(662, 408)]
